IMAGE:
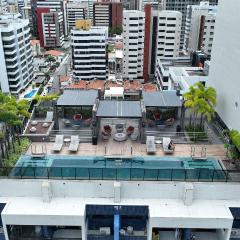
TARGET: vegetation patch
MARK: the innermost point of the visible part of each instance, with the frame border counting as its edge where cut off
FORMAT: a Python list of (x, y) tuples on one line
[(13, 156)]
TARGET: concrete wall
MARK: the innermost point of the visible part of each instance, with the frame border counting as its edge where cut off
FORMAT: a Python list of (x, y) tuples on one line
[(224, 70)]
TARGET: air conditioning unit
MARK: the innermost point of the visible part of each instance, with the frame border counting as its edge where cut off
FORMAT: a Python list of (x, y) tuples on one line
[(235, 232), (105, 230)]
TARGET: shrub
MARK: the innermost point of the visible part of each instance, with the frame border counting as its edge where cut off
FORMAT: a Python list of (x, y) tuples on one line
[(19, 150)]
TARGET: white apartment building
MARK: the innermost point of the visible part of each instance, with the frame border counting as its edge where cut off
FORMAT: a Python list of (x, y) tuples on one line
[(163, 67), (169, 31), (15, 54), (88, 3), (101, 14), (89, 53), (133, 44), (224, 70), (75, 11), (181, 6), (199, 29)]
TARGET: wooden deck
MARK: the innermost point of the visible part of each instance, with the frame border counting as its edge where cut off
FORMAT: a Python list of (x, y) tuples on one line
[(133, 148)]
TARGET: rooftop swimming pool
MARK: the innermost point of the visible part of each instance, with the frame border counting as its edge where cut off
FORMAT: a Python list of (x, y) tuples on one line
[(135, 168), (31, 94)]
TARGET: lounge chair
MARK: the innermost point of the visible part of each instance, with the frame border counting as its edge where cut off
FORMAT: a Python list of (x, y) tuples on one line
[(57, 146), (151, 146), (73, 147), (166, 141), (49, 117)]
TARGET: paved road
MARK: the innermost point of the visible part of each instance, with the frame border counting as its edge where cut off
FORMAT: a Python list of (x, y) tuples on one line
[(63, 69)]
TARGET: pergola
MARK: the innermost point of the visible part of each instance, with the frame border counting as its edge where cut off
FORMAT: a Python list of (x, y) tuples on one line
[(76, 99)]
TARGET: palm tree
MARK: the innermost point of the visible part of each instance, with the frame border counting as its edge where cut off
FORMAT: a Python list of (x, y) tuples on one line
[(200, 100)]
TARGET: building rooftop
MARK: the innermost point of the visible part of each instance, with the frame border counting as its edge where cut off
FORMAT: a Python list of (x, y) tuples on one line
[(55, 53)]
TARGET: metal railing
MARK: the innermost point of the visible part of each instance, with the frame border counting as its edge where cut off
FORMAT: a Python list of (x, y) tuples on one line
[(183, 137), (121, 174)]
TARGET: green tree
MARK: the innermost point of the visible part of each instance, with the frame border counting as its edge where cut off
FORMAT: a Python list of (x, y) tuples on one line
[(12, 113)]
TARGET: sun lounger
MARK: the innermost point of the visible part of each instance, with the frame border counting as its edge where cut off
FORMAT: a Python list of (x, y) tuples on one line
[(151, 146), (49, 117), (57, 146), (73, 147), (166, 142)]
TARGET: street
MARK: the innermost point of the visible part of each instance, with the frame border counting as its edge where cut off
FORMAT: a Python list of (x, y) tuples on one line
[(63, 69)]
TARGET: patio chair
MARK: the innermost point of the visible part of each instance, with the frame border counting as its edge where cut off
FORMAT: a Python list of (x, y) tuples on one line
[(166, 145), (107, 129), (151, 146), (49, 117), (74, 144), (134, 135), (169, 122), (57, 146), (105, 136), (130, 130)]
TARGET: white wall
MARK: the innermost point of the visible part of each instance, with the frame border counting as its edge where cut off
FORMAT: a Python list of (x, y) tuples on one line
[(224, 70)]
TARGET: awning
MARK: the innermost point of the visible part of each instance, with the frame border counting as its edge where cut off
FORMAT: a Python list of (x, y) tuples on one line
[(77, 98), (162, 99), (119, 109)]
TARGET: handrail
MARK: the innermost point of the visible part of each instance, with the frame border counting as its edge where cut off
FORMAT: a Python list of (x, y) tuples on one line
[(121, 174)]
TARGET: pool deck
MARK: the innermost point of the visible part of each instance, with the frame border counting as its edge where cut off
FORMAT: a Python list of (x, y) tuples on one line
[(138, 149)]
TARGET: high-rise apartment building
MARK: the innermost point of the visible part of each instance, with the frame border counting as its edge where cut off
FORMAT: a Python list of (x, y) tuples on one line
[(108, 13), (50, 28), (181, 6), (133, 44), (15, 54), (224, 69), (52, 15), (199, 29), (76, 11), (89, 51), (169, 31)]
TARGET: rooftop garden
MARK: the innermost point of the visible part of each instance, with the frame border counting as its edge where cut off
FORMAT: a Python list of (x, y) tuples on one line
[(12, 115)]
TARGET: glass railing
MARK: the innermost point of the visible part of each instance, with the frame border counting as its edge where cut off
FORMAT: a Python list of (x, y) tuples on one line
[(121, 174)]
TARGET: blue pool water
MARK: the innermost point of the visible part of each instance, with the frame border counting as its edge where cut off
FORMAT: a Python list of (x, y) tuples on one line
[(136, 168), (30, 94)]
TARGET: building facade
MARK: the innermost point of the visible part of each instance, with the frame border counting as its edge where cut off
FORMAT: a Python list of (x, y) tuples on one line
[(55, 13), (133, 44), (199, 29), (89, 51), (75, 11), (150, 41), (108, 14), (224, 70), (50, 28), (181, 6), (15, 54), (169, 31)]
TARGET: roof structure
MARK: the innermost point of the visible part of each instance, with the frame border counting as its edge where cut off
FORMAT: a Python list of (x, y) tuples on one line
[(162, 99), (119, 109), (54, 53), (77, 98)]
